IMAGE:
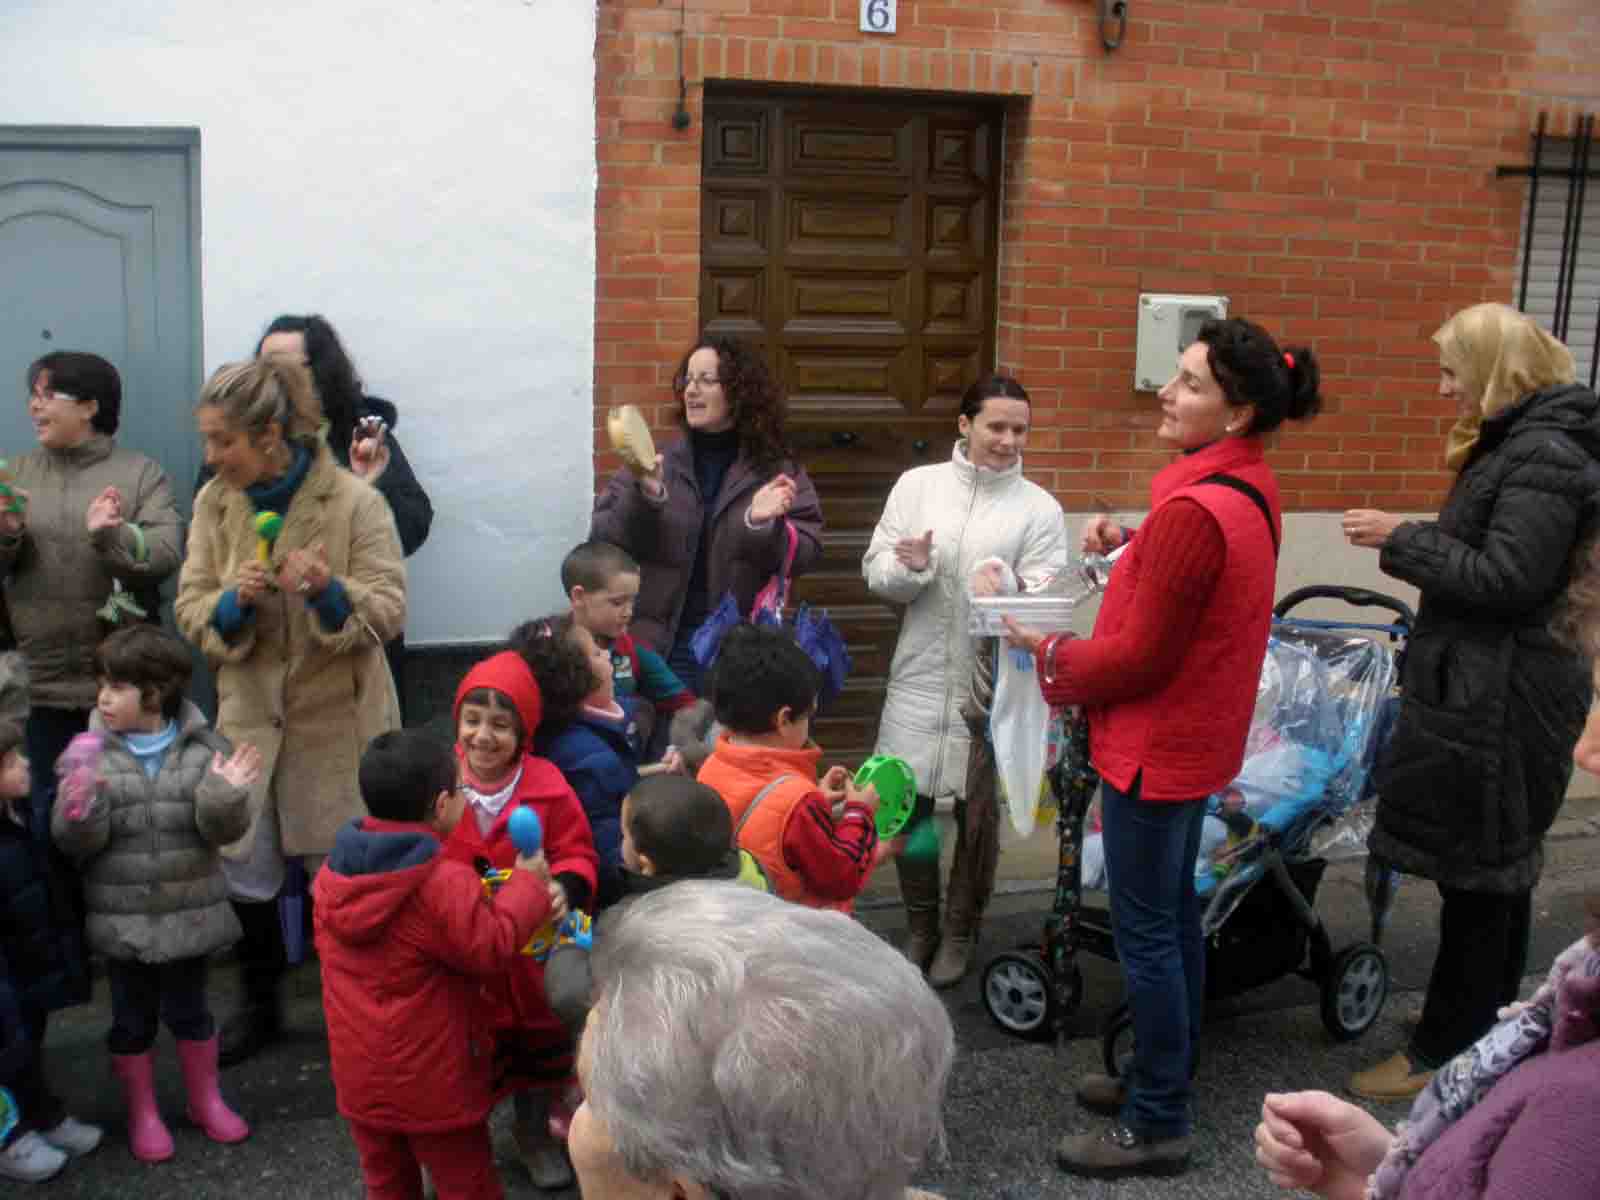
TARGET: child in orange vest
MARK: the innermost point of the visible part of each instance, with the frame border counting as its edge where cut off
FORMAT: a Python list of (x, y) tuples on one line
[(765, 768)]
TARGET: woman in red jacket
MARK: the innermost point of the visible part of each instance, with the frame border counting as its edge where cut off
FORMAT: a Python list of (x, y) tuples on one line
[(1169, 683)]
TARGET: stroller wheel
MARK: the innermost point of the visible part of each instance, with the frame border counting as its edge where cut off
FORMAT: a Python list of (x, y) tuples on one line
[(1116, 1042), (1354, 990), (1018, 995)]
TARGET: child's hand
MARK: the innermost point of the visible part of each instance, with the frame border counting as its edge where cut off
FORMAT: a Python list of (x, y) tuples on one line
[(241, 769), (672, 762), (535, 863), (888, 848), (835, 784), (558, 902), (867, 796)]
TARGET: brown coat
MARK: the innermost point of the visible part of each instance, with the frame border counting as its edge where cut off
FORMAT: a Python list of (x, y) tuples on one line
[(308, 699), (664, 536), (58, 574)]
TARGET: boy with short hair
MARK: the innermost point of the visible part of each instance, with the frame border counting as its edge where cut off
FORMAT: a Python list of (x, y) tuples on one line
[(406, 938), (672, 829), (764, 689), (602, 582)]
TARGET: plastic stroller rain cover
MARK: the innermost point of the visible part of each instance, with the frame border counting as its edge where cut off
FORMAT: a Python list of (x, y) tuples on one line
[(1322, 712)]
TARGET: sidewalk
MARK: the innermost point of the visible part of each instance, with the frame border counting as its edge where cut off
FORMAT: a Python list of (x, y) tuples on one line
[(1030, 865)]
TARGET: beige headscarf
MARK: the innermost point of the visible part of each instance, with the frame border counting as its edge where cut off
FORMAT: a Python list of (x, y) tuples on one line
[(1499, 356)]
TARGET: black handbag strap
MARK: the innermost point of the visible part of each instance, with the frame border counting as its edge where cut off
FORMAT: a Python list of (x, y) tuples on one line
[(1245, 488)]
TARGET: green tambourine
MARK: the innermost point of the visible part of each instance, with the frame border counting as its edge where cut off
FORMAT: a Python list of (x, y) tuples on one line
[(897, 791)]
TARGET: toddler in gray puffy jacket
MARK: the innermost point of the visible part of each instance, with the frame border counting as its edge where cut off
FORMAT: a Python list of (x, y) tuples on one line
[(145, 825)]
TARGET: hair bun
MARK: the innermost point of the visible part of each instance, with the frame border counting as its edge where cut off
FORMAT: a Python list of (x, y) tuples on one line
[(1305, 382)]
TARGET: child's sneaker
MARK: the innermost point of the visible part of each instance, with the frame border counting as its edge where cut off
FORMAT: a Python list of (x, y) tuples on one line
[(75, 1137), (31, 1159)]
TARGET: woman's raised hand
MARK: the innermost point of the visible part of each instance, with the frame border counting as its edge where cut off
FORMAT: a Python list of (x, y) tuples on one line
[(241, 769), (305, 572), (252, 581), (1319, 1143), (774, 500), (1101, 535), (105, 511), (915, 553), (369, 449)]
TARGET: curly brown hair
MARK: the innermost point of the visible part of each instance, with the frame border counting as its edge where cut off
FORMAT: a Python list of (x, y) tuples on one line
[(559, 664), (757, 401)]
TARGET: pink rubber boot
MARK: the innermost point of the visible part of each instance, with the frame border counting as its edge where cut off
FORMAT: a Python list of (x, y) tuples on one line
[(148, 1136), (207, 1108)]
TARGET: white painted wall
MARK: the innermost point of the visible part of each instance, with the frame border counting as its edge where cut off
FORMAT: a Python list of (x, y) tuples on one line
[(421, 173)]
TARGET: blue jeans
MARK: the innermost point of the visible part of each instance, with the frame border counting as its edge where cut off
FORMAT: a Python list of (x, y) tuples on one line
[(1155, 919)]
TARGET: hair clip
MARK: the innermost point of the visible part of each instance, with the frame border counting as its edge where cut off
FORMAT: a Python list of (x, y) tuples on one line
[(1288, 361)]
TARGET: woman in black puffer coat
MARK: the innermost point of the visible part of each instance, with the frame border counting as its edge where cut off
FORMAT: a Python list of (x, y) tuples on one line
[(1492, 702)]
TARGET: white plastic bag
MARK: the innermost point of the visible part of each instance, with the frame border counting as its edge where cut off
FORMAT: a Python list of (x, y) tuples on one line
[(1018, 724)]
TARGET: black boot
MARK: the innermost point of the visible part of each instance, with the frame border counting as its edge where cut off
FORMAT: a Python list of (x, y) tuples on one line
[(259, 1020)]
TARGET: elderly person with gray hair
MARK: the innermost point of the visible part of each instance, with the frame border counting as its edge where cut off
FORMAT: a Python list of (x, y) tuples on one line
[(742, 1048)]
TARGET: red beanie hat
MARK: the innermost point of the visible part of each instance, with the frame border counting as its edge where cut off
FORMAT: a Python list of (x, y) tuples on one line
[(509, 674)]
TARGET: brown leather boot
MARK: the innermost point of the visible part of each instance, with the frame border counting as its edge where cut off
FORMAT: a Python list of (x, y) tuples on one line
[(971, 883), (919, 888), (1119, 1152), (1102, 1094)]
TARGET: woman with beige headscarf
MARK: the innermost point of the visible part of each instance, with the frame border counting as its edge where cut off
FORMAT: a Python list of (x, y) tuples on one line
[(1493, 702)]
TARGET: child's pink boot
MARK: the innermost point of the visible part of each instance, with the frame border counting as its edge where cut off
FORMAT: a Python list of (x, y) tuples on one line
[(207, 1108), (148, 1137)]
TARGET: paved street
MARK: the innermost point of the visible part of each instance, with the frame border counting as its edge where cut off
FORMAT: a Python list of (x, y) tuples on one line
[(1008, 1102)]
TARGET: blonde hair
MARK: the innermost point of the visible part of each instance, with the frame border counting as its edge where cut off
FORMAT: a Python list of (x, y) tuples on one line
[(256, 394), (1498, 356)]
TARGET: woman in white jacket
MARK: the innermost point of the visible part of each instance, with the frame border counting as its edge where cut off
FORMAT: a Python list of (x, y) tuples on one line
[(941, 525)]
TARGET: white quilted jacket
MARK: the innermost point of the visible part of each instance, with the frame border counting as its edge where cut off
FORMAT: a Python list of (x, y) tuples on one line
[(974, 514)]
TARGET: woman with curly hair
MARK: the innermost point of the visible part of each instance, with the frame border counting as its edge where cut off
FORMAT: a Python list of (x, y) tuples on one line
[(711, 517)]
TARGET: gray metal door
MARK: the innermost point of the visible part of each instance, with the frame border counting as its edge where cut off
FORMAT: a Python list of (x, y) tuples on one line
[(99, 251)]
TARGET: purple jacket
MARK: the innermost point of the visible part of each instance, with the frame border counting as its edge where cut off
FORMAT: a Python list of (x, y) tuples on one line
[(665, 537), (1534, 1136)]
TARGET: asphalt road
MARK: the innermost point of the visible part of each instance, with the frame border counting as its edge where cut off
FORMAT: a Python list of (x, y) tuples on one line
[(1009, 1101)]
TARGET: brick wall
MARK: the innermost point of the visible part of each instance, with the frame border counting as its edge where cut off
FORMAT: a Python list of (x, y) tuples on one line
[(1327, 164)]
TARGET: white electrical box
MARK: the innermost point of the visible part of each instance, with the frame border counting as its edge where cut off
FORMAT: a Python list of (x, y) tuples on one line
[(1167, 324)]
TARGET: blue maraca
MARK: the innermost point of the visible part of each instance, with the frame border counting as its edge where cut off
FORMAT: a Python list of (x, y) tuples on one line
[(527, 835)]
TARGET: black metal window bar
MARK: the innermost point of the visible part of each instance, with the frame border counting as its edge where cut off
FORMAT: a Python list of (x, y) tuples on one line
[(1558, 186)]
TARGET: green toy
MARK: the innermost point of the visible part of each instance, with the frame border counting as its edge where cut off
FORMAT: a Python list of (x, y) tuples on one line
[(268, 525), (922, 843), (897, 791)]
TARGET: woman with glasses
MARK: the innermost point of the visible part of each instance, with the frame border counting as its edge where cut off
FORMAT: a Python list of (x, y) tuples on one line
[(87, 535), (710, 519)]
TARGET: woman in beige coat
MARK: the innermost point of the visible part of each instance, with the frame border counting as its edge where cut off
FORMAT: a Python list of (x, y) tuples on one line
[(294, 629)]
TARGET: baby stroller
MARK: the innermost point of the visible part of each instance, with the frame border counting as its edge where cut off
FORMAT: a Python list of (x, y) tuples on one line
[(1323, 705)]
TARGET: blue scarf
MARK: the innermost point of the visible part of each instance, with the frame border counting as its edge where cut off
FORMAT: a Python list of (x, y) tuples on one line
[(151, 748), (274, 495)]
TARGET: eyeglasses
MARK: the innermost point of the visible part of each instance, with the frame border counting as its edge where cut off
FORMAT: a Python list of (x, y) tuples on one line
[(681, 382), (48, 394)]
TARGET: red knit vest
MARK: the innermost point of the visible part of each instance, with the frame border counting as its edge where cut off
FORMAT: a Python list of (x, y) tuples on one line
[(1188, 737)]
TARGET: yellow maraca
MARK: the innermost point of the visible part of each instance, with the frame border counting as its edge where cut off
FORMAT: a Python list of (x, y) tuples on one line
[(268, 526)]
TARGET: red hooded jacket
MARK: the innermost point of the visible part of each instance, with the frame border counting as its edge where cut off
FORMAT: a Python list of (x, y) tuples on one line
[(538, 1048), (407, 939)]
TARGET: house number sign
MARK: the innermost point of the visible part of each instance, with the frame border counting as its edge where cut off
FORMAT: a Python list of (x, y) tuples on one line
[(878, 16)]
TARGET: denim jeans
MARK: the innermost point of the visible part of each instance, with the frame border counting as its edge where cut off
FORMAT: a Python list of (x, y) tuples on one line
[(1155, 919), (174, 991)]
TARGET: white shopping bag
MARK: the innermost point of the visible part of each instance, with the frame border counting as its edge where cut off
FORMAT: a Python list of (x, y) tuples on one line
[(1018, 723)]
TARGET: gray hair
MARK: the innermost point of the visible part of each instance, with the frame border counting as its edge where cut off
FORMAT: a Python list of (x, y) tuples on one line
[(763, 1050), (253, 395)]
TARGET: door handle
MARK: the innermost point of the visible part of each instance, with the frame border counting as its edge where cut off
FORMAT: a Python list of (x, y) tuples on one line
[(843, 438)]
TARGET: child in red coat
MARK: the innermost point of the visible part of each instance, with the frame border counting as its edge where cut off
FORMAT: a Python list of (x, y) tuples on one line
[(407, 938), (498, 707)]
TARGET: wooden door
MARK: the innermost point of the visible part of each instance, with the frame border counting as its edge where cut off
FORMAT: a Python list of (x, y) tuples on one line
[(854, 238)]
